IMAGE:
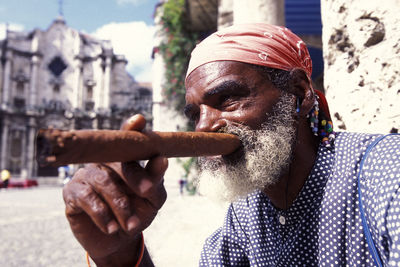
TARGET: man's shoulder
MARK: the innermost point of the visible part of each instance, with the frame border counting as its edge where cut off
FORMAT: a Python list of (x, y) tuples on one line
[(358, 142), (343, 138), (353, 145)]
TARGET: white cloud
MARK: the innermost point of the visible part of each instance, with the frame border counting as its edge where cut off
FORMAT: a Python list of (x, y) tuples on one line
[(11, 26), (134, 40)]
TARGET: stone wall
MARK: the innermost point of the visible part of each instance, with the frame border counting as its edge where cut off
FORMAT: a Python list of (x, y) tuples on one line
[(361, 43)]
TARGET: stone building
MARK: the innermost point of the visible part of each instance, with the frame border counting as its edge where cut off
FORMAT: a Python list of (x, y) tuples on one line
[(60, 78)]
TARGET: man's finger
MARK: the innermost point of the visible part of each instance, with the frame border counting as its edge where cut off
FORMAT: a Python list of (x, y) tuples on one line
[(106, 183), (85, 199), (150, 184), (135, 123)]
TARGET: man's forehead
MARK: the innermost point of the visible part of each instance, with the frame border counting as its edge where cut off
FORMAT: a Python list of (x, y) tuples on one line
[(224, 86), (214, 73)]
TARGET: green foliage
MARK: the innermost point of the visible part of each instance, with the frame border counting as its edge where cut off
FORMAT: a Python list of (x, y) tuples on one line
[(176, 50)]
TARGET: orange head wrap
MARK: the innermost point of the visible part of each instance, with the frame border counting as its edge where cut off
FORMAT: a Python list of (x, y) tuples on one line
[(256, 43), (259, 44)]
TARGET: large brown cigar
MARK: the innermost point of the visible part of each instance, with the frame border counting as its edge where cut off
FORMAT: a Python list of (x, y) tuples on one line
[(57, 147)]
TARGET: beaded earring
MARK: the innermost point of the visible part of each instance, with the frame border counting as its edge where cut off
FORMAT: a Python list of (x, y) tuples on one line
[(313, 117), (320, 125)]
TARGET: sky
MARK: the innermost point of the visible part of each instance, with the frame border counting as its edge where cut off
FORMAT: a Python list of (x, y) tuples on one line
[(127, 23)]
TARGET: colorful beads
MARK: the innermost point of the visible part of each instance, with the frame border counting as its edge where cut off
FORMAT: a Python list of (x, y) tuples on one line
[(323, 127)]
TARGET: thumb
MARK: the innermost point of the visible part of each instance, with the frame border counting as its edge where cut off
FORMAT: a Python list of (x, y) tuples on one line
[(135, 123)]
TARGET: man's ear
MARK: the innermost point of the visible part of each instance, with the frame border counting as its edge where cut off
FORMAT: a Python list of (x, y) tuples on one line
[(300, 86)]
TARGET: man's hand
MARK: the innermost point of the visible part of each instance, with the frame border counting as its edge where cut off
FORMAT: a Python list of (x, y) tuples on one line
[(108, 205)]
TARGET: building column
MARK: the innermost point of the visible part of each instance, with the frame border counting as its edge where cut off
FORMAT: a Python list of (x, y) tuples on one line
[(105, 92), (269, 11), (32, 87), (80, 88), (31, 148), (77, 88), (6, 81), (24, 149), (158, 79), (4, 144), (225, 13)]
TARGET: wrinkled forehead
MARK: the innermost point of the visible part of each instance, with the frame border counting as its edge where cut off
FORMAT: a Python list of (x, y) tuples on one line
[(213, 74), (257, 43)]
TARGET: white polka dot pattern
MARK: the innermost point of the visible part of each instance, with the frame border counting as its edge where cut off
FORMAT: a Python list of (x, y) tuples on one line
[(323, 226)]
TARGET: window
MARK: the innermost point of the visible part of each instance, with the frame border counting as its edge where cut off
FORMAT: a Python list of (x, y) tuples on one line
[(57, 66)]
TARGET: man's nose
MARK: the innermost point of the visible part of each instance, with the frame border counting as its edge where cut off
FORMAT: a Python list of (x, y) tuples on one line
[(210, 120)]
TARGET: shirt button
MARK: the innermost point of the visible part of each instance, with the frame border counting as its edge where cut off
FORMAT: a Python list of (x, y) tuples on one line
[(282, 220)]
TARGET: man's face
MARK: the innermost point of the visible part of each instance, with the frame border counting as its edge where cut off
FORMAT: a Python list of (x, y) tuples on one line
[(223, 92), (236, 98)]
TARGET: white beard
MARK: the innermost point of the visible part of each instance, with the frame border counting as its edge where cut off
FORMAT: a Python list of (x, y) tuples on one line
[(266, 155)]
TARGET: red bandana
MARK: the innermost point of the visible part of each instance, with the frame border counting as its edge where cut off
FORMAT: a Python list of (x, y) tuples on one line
[(259, 44)]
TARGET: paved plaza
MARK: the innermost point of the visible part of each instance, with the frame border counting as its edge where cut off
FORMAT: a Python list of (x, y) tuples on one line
[(35, 232)]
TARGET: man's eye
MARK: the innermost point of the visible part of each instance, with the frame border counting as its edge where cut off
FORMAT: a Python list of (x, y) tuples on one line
[(191, 112), (194, 117), (227, 100)]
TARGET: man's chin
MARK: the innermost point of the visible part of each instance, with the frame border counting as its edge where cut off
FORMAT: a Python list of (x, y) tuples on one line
[(213, 185)]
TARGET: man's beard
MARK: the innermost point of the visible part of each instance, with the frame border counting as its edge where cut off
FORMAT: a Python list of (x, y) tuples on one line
[(266, 155)]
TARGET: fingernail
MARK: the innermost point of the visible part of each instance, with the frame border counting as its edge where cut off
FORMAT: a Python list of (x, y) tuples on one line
[(133, 119), (112, 227)]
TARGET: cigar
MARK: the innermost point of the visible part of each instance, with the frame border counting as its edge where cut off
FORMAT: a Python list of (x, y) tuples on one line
[(57, 147)]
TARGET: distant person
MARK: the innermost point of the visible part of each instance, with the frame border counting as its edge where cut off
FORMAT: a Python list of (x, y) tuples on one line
[(5, 177), (294, 186), (182, 183)]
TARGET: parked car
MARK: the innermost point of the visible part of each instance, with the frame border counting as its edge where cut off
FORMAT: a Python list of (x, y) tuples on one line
[(20, 183)]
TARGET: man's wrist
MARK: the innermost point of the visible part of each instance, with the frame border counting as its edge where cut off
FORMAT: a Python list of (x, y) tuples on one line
[(130, 255)]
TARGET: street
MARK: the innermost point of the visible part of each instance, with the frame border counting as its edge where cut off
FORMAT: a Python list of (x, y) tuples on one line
[(35, 232)]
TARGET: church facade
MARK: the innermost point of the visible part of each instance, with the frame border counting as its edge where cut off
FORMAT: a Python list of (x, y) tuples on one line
[(64, 79)]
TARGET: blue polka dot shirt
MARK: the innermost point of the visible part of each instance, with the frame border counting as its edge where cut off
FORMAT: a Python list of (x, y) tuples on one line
[(323, 226)]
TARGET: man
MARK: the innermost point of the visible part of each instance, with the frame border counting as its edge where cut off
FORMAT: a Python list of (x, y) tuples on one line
[(292, 184)]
